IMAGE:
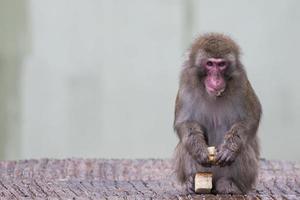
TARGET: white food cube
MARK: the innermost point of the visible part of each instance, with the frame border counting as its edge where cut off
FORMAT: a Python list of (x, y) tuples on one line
[(203, 182)]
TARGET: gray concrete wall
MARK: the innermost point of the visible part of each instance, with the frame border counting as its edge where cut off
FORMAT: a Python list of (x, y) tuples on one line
[(13, 48), (99, 78)]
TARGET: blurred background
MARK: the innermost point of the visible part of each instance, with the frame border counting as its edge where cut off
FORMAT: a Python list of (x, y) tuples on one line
[(98, 78)]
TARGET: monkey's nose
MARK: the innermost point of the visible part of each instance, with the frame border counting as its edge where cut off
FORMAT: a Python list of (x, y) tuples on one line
[(216, 83)]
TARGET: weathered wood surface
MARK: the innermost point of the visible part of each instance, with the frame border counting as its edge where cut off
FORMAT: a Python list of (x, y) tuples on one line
[(127, 179)]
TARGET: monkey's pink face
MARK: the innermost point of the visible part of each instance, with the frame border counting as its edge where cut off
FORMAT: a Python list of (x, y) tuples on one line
[(214, 80)]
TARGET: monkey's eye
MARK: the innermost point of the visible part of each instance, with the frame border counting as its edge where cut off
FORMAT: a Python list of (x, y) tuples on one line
[(209, 63), (222, 64)]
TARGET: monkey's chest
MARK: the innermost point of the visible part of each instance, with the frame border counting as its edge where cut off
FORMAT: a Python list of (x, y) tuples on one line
[(215, 133), (217, 123)]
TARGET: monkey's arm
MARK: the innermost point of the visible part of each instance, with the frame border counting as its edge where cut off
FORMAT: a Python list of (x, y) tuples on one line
[(191, 136), (232, 144), (240, 132), (193, 139)]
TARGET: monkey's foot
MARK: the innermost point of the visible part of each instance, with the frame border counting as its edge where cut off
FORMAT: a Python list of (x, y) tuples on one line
[(226, 186), (190, 184)]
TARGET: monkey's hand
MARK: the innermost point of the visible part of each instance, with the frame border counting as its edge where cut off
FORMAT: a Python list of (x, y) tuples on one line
[(225, 156), (229, 150), (202, 158), (231, 146), (193, 139), (197, 148)]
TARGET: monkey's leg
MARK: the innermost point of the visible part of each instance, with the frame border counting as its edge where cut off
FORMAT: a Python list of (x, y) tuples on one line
[(190, 184), (240, 176), (186, 168), (190, 180), (226, 185)]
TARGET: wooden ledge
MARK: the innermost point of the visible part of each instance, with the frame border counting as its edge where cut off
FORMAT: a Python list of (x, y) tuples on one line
[(127, 179)]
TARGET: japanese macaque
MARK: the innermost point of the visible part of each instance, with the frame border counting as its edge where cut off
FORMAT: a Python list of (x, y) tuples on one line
[(216, 106)]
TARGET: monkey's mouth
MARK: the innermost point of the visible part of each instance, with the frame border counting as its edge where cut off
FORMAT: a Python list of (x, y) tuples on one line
[(215, 85), (220, 92), (215, 92)]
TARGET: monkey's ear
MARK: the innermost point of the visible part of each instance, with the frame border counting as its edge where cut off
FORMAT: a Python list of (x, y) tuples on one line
[(233, 64), (199, 57), (187, 59), (232, 58), (194, 59)]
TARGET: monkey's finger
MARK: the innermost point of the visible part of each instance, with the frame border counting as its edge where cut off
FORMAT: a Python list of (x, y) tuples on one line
[(222, 164), (202, 161), (218, 150), (224, 158), (218, 157), (205, 162), (221, 159), (229, 160)]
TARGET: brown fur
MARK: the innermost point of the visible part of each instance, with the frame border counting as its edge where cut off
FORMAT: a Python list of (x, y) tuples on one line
[(229, 122)]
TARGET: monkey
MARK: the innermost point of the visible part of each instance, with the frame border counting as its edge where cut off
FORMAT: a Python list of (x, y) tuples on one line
[(217, 106)]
